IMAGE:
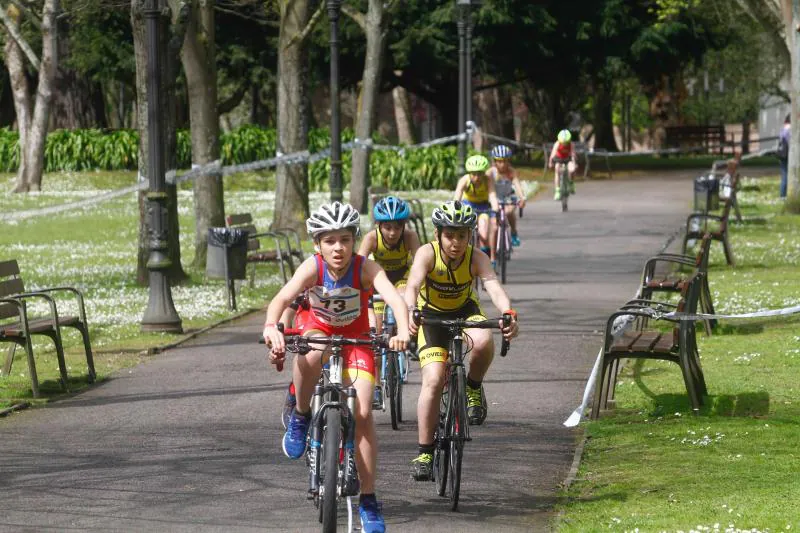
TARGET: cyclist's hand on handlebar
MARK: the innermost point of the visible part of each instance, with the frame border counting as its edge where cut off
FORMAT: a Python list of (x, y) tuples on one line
[(521, 203), (512, 330), (413, 327), (398, 343), (275, 340)]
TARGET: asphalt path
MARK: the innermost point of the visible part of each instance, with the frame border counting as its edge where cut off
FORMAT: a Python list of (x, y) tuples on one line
[(190, 441)]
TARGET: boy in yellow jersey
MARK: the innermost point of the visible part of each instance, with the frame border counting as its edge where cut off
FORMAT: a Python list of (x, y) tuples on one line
[(476, 189), (392, 246), (440, 284)]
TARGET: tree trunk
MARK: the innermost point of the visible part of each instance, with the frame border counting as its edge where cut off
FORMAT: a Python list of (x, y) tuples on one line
[(793, 193), (199, 64), (291, 192), (20, 88), (402, 116), (602, 116), (375, 31), (37, 135), (745, 143), (169, 77)]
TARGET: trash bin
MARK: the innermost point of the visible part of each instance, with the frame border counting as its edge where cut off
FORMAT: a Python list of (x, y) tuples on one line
[(706, 193), (226, 257)]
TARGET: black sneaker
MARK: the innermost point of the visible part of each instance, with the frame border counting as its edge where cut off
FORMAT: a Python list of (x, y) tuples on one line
[(476, 405), (422, 467)]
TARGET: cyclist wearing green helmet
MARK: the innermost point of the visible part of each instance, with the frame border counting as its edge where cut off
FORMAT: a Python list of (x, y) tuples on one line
[(440, 284), (476, 189), (563, 153)]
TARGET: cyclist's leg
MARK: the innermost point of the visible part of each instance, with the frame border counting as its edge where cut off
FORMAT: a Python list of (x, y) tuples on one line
[(483, 230), (493, 238), (360, 372), (432, 357), (571, 168), (511, 216), (482, 353), (305, 374)]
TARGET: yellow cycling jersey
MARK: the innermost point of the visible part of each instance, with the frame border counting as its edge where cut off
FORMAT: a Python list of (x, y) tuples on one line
[(391, 259), (477, 193), (445, 289)]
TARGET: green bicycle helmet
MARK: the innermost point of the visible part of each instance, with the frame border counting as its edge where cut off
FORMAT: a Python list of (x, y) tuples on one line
[(564, 136), (477, 163), (454, 214)]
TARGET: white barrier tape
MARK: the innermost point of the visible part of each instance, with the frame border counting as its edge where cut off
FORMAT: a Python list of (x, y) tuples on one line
[(760, 153), (676, 315)]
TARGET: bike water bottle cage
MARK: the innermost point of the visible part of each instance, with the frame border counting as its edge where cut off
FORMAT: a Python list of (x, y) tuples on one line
[(390, 209)]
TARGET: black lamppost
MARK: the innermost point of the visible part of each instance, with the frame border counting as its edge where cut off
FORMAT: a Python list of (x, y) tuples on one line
[(334, 9), (160, 314), (464, 74)]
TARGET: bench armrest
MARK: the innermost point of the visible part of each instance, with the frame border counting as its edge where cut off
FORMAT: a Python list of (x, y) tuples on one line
[(50, 300), (78, 294)]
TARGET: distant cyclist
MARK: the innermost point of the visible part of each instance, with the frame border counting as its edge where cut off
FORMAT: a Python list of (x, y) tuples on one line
[(563, 150), (507, 186), (476, 189)]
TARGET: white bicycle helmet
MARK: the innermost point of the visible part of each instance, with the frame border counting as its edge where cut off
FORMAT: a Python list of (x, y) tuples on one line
[(332, 217)]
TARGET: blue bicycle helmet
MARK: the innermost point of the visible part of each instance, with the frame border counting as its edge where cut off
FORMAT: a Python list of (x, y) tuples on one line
[(391, 208), (501, 151)]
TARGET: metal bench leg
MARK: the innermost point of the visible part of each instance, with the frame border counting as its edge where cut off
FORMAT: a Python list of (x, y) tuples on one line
[(87, 345), (726, 246), (9, 359), (62, 364), (32, 367), (598, 389)]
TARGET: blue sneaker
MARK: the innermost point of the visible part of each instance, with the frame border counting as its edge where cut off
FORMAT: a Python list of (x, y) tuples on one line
[(371, 517), (294, 440), (514, 240)]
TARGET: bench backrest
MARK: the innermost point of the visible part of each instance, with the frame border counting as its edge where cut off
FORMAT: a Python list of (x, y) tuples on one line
[(244, 221), (10, 284)]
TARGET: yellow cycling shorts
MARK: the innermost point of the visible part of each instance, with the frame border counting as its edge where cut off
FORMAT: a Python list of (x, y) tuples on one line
[(434, 341), (399, 279)]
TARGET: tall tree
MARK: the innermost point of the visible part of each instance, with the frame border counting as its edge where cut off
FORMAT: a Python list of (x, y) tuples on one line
[(374, 24), (33, 117), (291, 192), (199, 65), (171, 46)]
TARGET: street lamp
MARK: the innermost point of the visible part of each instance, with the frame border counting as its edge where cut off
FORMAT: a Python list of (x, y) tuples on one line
[(160, 314), (334, 9), (464, 73)]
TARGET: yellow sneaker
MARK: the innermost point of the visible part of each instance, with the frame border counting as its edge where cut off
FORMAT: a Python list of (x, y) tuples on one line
[(557, 195), (422, 467)]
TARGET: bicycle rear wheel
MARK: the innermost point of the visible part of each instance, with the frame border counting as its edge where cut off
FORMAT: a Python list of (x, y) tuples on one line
[(391, 386), (330, 472)]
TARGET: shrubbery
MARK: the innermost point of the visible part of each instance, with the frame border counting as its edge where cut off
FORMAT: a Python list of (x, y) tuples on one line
[(92, 149)]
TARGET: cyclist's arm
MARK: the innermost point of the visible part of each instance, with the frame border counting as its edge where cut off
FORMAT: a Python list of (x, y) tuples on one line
[(518, 188), (368, 244), (304, 277), (374, 274), (553, 154), (460, 188), (493, 195), (412, 242), (482, 267), (423, 262)]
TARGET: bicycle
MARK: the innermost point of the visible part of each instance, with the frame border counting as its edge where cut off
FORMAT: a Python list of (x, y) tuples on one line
[(453, 429), (332, 430), (394, 370), (503, 247), (563, 181)]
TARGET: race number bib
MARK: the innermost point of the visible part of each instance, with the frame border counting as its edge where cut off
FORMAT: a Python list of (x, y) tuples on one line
[(337, 307)]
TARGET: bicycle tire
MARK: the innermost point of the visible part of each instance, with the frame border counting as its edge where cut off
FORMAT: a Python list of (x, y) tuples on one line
[(502, 255), (330, 451), (564, 186), (398, 391), (441, 464), (391, 386), (458, 411)]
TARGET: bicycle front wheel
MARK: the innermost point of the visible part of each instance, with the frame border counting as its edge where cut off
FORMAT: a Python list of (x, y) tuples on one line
[(330, 475), (502, 255), (458, 432), (392, 379)]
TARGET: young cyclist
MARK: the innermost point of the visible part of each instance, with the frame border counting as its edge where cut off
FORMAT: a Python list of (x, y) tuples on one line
[(476, 189), (563, 150), (339, 285), (507, 186), (392, 246), (440, 284)]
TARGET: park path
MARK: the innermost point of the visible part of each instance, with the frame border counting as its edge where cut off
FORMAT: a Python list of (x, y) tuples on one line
[(190, 441)]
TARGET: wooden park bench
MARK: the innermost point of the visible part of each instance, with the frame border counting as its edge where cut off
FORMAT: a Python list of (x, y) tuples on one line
[(417, 217), (17, 327), (697, 225), (282, 251), (678, 344), (671, 281), (709, 138)]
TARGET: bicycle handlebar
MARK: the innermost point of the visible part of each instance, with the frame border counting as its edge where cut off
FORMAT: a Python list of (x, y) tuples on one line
[(492, 323)]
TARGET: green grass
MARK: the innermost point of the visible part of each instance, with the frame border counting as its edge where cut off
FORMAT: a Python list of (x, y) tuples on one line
[(649, 464)]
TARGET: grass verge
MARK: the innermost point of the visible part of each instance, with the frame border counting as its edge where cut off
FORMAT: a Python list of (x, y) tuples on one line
[(649, 465)]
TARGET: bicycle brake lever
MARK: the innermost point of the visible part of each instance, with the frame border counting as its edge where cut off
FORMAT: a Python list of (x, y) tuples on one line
[(504, 348)]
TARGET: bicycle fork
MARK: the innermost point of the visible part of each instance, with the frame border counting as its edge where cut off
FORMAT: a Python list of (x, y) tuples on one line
[(348, 485)]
